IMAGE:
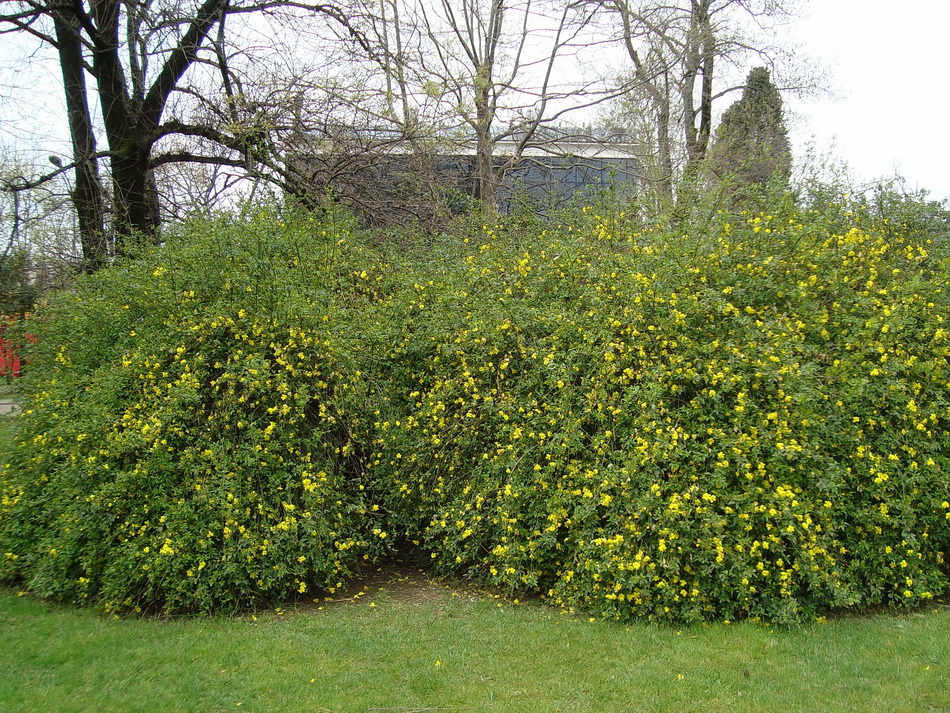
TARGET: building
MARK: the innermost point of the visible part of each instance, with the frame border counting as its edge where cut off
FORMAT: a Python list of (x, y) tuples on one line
[(388, 180)]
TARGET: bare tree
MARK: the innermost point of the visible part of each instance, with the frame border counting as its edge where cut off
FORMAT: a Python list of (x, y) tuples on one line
[(148, 64), (677, 50), (503, 65), (465, 77), (37, 229)]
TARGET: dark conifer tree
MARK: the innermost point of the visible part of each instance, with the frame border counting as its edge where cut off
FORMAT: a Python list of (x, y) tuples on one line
[(751, 146)]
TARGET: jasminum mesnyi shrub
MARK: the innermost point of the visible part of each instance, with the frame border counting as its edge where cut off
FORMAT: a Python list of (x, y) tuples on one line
[(185, 450), (746, 420), (749, 423)]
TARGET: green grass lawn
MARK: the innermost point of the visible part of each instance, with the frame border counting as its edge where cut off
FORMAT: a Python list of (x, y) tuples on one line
[(456, 652)]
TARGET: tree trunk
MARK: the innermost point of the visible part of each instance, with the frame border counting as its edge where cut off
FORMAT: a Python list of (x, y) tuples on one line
[(87, 195), (135, 209), (486, 184), (700, 60), (664, 145), (700, 63)]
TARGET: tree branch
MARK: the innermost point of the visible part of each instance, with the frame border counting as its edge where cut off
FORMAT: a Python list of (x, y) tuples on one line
[(21, 183), (180, 59), (188, 157)]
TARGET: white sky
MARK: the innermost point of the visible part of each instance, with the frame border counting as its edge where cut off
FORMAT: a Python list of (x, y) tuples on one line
[(889, 61)]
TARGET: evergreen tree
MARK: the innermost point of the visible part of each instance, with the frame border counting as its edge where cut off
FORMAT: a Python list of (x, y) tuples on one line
[(751, 146), (17, 293)]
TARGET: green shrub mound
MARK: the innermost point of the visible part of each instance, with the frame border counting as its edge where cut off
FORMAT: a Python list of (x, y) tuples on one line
[(750, 420), (748, 424), (184, 449)]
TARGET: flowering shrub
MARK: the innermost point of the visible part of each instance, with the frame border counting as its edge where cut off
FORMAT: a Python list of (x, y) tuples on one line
[(184, 448), (747, 421)]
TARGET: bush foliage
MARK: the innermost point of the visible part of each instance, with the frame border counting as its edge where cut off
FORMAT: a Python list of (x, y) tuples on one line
[(749, 420)]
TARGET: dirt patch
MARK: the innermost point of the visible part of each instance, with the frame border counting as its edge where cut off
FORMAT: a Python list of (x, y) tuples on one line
[(393, 581)]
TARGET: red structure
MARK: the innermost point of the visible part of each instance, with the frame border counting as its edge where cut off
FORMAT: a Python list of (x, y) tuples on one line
[(9, 357)]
